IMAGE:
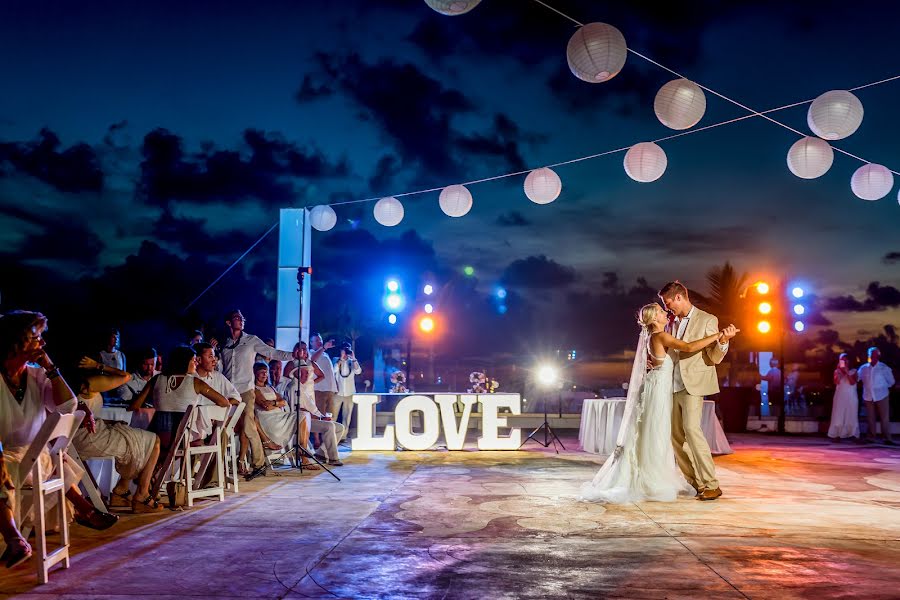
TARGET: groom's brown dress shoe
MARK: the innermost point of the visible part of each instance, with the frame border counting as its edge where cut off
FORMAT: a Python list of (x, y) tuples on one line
[(709, 494)]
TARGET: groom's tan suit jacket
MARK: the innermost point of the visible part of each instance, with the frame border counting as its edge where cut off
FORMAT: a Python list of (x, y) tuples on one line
[(698, 369)]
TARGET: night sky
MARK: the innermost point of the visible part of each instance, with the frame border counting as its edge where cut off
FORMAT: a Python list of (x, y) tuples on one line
[(145, 146)]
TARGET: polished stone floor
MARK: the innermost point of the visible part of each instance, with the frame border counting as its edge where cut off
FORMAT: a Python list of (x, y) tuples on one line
[(801, 518)]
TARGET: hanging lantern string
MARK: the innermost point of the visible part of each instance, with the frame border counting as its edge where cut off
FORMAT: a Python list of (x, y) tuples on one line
[(723, 96), (673, 136)]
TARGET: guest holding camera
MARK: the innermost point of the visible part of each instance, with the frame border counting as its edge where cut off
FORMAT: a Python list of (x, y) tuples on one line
[(845, 407), (347, 370), (877, 379)]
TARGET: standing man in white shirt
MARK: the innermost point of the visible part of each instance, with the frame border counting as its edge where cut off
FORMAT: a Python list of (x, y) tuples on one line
[(347, 370), (238, 355), (327, 386), (877, 378)]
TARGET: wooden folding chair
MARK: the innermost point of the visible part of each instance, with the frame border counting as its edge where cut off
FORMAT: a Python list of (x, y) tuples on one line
[(57, 429)]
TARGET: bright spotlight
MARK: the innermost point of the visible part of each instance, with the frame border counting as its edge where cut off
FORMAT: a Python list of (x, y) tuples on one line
[(501, 293), (764, 327), (765, 308), (392, 319), (502, 309), (426, 324), (468, 271), (393, 301), (428, 289), (797, 292), (547, 375), (393, 285), (429, 308), (799, 326), (799, 309), (762, 287)]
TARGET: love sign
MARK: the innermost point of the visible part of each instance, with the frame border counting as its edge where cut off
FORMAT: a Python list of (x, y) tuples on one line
[(438, 414)]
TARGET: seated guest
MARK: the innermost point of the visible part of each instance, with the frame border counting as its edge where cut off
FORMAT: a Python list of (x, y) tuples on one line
[(18, 550), (172, 392), (276, 380), (305, 376), (113, 357), (274, 415), (145, 371), (135, 450), (30, 387)]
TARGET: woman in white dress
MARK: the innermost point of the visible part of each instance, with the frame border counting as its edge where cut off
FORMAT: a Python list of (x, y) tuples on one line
[(273, 413), (643, 465), (845, 407)]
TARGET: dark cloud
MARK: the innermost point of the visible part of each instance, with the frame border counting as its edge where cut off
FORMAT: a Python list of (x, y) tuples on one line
[(878, 297), (267, 168), (191, 235), (690, 241), (309, 91), (512, 219), (387, 168), (72, 169), (503, 140), (891, 257), (538, 272), (68, 244)]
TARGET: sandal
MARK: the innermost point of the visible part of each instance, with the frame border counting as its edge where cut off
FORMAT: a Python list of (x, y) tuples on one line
[(120, 500), (310, 466), (17, 552), (97, 520), (270, 445), (147, 505)]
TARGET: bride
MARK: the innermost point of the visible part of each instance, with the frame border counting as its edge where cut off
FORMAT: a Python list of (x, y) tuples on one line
[(643, 465)]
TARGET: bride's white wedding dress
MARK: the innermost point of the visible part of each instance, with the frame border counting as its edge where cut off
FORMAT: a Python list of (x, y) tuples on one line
[(643, 466)]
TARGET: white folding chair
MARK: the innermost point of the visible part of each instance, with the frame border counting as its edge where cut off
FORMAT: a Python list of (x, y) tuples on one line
[(206, 453), (58, 429), (231, 447)]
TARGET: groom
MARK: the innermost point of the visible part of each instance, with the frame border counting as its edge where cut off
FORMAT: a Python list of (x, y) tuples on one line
[(695, 377)]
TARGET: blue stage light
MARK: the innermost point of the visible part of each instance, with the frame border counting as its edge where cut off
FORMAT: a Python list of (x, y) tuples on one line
[(501, 293), (799, 309), (799, 326), (429, 308), (501, 309), (392, 285), (392, 319), (428, 289), (797, 292), (393, 301)]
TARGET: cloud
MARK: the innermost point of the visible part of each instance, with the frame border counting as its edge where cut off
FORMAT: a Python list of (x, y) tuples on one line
[(387, 168), (266, 167), (512, 219), (309, 91), (191, 235), (73, 169), (538, 272), (878, 297), (891, 257)]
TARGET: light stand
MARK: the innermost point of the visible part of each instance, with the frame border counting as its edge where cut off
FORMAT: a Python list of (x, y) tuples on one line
[(550, 436), (297, 450)]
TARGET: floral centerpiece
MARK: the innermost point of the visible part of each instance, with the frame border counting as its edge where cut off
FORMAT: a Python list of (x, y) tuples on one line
[(482, 384), (398, 378)]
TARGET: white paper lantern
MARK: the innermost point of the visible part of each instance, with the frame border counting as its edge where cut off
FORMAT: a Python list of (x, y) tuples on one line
[(680, 104), (322, 217), (872, 182), (543, 186), (810, 157), (452, 7), (455, 200), (645, 162), (388, 211), (596, 52), (835, 115)]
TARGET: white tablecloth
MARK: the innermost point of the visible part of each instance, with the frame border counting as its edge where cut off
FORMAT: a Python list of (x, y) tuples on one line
[(602, 417)]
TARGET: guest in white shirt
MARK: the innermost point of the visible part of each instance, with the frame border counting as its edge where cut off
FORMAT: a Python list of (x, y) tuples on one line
[(877, 378), (238, 356), (146, 370), (326, 387), (347, 370), (277, 380), (113, 357)]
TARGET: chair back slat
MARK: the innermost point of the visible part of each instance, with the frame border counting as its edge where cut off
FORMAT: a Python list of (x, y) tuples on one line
[(57, 427)]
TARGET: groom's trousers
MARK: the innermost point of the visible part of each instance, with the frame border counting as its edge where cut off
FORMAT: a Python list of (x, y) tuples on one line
[(691, 449)]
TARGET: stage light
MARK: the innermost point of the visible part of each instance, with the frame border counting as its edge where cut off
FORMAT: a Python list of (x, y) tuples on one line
[(501, 293), (762, 287), (799, 309), (392, 319), (429, 308), (797, 292), (764, 327), (502, 309), (426, 324), (547, 375), (428, 289), (765, 308), (392, 285), (468, 271), (799, 326), (393, 301)]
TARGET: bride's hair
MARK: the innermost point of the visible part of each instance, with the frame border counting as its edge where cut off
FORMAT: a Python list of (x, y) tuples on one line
[(647, 315)]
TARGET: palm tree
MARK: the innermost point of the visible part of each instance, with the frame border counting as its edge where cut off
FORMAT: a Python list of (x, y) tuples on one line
[(725, 290)]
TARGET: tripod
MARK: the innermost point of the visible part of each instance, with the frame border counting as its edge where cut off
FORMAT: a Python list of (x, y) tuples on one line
[(550, 436), (297, 450)]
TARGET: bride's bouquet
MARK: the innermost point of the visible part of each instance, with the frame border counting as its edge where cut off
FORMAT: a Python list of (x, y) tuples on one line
[(398, 378)]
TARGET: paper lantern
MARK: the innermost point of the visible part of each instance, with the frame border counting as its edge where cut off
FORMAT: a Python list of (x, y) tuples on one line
[(835, 115), (810, 157), (388, 211), (452, 7), (542, 186), (322, 217), (680, 104), (455, 200), (596, 52), (872, 182), (645, 162)]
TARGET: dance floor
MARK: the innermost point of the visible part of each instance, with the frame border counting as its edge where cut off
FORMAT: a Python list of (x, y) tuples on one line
[(801, 518)]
